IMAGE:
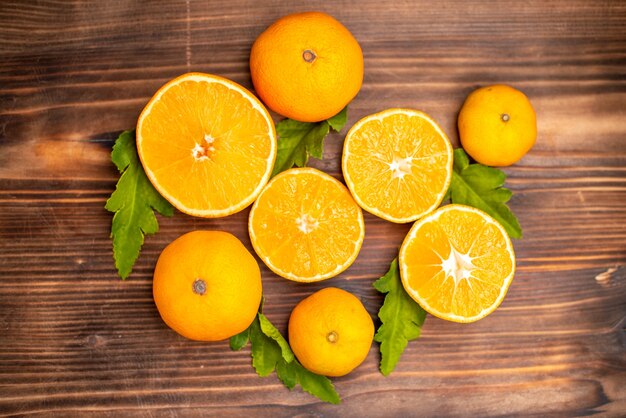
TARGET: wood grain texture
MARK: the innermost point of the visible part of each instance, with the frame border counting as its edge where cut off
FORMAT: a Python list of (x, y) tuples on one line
[(77, 341)]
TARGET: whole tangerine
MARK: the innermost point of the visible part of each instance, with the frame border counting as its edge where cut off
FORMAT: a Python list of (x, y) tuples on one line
[(497, 125), (330, 332), (207, 286), (306, 66)]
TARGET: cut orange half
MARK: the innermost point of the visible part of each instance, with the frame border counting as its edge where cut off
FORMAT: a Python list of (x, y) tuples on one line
[(457, 263), (397, 164), (305, 226), (206, 144)]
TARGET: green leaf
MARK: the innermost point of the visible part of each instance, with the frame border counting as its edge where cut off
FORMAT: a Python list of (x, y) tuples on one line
[(133, 202), (299, 140), (271, 352), (287, 373), (315, 384), (338, 121), (239, 341), (482, 187), (296, 141), (319, 386), (401, 317), (271, 331), (265, 351), (461, 160)]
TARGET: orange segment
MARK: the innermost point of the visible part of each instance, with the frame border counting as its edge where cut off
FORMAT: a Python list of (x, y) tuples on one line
[(397, 164), (206, 144), (305, 225), (457, 263)]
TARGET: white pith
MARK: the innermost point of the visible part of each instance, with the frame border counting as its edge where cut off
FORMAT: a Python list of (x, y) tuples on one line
[(306, 223), (459, 266), (400, 167), (202, 152)]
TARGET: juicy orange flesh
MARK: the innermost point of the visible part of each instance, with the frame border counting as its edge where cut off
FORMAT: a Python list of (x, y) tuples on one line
[(377, 144), (234, 135), (321, 207), (465, 233)]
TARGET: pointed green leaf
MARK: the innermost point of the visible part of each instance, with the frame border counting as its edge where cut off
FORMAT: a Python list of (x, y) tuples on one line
[(239, 341), (287, 373), (265, 351), (296, 141), (461, 160), (484, 179), (319, 386), (271, 331), (315, 141), (338, 121), (401, 319), (133, 202), (482, 187), (271, 352), (299, 140), (315, 384)]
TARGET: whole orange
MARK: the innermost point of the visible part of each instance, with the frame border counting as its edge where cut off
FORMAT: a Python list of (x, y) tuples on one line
[(497, 125), (207, 286), (306, 66), (330, 332)]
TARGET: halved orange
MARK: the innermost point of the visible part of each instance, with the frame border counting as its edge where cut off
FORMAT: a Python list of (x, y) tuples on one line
[(397, 164), (206, 144), (457, 263), (305, 226)]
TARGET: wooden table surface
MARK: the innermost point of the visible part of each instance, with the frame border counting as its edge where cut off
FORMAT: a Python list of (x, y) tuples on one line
[(76, 340)]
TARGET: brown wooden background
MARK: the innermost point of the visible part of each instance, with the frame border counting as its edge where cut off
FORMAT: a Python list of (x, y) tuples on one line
[(75, 340)]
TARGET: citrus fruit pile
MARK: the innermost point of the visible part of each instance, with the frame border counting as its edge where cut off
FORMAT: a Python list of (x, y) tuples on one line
[(208, 146)]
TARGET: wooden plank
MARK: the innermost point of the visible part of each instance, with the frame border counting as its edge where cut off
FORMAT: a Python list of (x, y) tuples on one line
[(75, 340)]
